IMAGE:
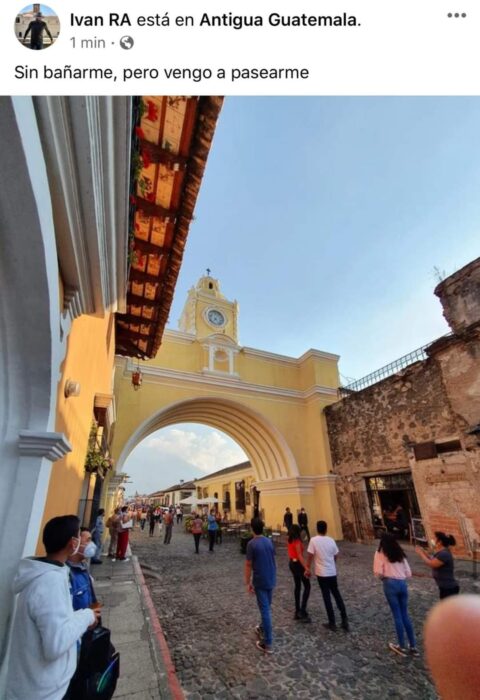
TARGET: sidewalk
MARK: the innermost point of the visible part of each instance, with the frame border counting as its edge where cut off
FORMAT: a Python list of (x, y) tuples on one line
[(146, 671)]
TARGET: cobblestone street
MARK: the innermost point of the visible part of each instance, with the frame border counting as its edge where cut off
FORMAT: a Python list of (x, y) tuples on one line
[(208, 620)]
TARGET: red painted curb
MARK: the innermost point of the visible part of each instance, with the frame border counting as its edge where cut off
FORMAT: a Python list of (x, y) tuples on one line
[(173, 682)]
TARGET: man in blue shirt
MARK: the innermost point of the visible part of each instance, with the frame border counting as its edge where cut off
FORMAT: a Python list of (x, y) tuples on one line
[(261, 563)]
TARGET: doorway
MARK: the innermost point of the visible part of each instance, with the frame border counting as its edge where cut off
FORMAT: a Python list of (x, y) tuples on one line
[(393, 503)]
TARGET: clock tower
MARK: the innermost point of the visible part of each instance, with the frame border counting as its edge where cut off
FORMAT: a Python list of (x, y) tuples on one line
[(212, 318)]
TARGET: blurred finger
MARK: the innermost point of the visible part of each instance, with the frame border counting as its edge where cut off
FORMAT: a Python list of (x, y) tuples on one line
[(452, 644)]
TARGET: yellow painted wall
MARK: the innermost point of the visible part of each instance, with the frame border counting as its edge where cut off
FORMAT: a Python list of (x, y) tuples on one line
[(89, 360), (298, 418)]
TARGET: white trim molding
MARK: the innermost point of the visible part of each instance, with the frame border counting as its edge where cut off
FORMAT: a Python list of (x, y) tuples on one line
[(52, 446), (152, 374), (309, 354), (179, 336), (293, 485), (72, 306), (86, 143)]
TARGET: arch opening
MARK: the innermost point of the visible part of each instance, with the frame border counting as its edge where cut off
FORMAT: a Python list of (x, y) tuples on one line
[(264, 445)]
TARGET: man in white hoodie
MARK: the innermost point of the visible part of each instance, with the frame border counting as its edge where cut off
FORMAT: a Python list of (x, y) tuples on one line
[(43, 654)]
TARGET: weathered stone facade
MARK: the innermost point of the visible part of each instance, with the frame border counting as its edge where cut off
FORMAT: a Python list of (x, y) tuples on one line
[(422, 421)]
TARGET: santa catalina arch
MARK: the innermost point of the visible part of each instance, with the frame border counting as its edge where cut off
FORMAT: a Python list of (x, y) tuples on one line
[(271, 405)]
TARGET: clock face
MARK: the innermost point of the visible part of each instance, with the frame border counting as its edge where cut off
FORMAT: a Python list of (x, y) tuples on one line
[(215, 317)]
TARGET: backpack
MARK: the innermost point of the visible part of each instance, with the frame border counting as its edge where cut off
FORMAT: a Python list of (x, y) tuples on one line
[(98, 667)]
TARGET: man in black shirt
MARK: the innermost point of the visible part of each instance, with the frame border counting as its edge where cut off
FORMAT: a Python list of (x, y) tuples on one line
[(303, 522), (36, 28), (287, 519)]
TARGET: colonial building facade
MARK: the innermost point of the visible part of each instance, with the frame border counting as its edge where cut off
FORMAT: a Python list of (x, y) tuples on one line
[(271, 405), (96, 198)]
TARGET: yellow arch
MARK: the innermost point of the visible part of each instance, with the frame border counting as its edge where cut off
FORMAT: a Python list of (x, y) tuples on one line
[(265, 447)]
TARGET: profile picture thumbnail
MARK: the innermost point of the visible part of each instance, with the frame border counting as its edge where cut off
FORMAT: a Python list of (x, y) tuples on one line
[(37, 27)]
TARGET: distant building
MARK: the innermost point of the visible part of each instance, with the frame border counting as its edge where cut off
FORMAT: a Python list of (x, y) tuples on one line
[(178, 492), (234, 488)]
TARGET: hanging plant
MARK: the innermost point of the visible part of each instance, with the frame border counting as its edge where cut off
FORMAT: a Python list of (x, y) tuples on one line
[(96, 460)]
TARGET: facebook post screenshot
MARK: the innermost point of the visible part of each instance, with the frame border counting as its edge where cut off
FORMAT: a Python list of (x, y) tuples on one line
[(240, 350)]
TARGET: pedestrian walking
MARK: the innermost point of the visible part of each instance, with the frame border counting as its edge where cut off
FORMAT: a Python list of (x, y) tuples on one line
[(287, 519), (143, 519), (297, 564), (442, 564), (97, 536), (212, 530), (112, 524), (324, 552), (179, 514), (391, 566), (303, 522), (168, 523), (197, 529), (260, 578), (124, 526), (151, 522), (46, 629)]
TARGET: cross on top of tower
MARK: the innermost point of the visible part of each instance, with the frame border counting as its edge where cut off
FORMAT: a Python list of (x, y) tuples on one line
[(208, 271)]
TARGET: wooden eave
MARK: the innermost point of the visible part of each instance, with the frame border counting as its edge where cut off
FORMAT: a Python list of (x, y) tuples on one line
[(174, 137)]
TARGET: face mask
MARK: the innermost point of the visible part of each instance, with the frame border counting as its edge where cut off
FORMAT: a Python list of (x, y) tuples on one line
[(77, 546), (90, 550)]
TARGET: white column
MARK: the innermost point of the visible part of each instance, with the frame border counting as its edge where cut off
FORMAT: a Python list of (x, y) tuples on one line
[(18, 538)]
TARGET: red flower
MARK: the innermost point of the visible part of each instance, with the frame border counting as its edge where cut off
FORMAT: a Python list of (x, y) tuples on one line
[(152, 114), (146, 159), (133, 200), (139, 132)]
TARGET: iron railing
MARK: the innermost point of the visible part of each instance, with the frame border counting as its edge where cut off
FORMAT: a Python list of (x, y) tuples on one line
[(386, 371)]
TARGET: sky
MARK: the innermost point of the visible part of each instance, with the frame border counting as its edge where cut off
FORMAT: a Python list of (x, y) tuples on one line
[(45, 9), (330, 219)]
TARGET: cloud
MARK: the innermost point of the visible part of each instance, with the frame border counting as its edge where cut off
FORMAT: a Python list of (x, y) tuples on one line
[(208, 452)]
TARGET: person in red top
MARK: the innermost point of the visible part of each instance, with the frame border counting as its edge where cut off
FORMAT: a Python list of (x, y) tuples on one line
[(297, 567), (197, 528)]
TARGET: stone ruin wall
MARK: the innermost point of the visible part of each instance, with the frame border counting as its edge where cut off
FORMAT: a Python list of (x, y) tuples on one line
[(459, 295), (373, 432)]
